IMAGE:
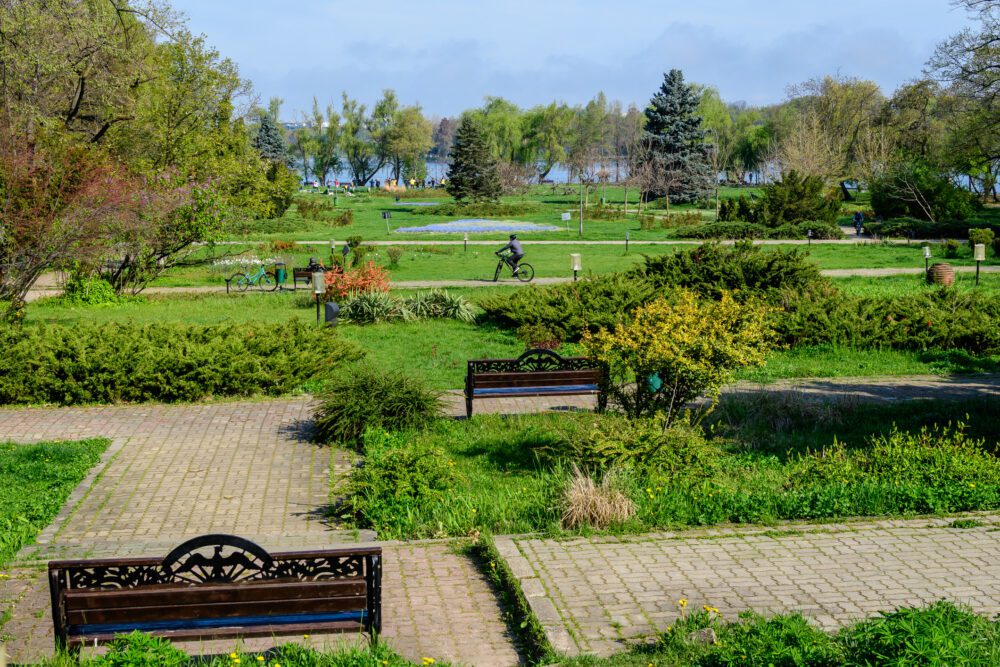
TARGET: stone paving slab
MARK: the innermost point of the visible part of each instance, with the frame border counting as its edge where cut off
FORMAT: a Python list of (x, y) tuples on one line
[(436, 604), (595, 595)]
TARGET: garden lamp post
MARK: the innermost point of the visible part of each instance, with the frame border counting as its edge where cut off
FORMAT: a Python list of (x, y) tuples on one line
[(319, 288), (927, 258), (979, 254), (575, 260), (809, 237), (626, 243), (466, 242)]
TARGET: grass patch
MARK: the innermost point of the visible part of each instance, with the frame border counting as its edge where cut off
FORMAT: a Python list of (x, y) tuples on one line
[(765, 461), (35, 481), (939, 634)]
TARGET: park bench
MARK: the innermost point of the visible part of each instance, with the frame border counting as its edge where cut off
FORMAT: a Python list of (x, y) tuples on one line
[(304, 276), (217, 587), (535, 373)]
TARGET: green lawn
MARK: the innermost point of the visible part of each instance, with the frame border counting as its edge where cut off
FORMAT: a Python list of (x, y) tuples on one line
[(35, 481), (446, 262)]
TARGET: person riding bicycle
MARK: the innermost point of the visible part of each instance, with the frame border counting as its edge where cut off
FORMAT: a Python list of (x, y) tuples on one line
[(516, 253)]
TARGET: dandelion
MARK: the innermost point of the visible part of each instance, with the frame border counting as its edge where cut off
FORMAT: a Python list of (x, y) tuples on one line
[(233, 656), (260, 658), (236, 661), (473, 510), (711, 610), (683, 602), (305, 636), (429, 661)]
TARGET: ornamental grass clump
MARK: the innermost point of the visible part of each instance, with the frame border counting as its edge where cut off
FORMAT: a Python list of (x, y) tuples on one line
[(674, 351), (588, 503), (369, 397)]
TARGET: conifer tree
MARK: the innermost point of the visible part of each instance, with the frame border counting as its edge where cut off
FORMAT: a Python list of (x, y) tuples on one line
[(676, 143), (474, 172), (270, 140)]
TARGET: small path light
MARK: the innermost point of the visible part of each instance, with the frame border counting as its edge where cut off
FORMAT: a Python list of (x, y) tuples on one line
[(927, 258), (979, 254), (626, 243), (319, 288), (809, 236), (577, 263), (466, 241)]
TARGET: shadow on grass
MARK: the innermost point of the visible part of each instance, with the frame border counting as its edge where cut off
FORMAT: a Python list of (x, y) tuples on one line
[(960, 361)]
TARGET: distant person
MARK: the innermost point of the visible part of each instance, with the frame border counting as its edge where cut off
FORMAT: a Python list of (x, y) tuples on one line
[(516, 253), (859, 222)]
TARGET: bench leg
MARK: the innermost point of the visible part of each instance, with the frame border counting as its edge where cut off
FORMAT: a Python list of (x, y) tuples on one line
[(468, 407)]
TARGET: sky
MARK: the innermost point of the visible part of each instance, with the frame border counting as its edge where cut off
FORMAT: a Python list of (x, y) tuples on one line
[(448, 55)]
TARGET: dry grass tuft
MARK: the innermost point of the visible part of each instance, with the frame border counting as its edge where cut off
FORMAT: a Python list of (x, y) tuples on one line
[(587, 503)]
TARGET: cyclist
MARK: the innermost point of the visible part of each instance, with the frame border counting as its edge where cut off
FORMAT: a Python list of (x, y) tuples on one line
[(516, 253)]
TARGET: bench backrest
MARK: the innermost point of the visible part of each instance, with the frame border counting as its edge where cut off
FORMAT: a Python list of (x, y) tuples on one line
[(218, 581), (534, 368)]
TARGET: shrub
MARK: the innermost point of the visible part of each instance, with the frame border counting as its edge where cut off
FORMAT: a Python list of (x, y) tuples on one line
[(398, 476), (797, 198), (343, 219), (932, 319), (476, 209), (951, 247), (395, 253), (587, 503), (672, 352), (369, 397), (712, 269), (681, 219), (569, 309), (647, 222), (751, 230), (539, 336), (374, 307), (110, 363), (984, 236), (924, 228), (342, 282), (354, 241), (919, 191), (600, 443), (312, 209), (440, 304), (603, 212), (83, 291)]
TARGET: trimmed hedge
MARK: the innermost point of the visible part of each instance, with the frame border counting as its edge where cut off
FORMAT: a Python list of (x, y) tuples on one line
[(752, 230), (113, 363), (922, 229)]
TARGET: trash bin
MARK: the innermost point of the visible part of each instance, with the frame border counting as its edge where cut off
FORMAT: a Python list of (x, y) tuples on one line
[(332, 313), (279, 273)]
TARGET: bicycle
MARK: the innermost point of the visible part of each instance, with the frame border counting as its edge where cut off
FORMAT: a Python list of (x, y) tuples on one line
[(525, 271), (263, 280)]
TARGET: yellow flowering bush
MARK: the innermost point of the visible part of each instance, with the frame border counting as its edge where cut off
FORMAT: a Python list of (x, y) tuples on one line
[(674, 350)]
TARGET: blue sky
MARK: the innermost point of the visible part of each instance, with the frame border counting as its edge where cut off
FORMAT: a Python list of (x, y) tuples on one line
[(447, 55)]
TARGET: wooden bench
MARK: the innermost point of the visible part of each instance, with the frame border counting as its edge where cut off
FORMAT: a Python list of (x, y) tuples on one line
[(301, 275), (535, 373), (217, 587)]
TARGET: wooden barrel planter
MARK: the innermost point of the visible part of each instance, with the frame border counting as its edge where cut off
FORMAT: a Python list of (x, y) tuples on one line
[(941, 274)]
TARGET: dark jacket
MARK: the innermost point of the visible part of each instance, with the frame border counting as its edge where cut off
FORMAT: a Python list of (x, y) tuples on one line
[(514, 246)]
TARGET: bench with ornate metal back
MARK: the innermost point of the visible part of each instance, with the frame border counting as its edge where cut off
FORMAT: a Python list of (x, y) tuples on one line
[(535, 373), (216, 587)]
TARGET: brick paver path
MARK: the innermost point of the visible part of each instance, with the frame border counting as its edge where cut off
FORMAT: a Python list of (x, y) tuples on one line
[(595, 595), (174, 472)]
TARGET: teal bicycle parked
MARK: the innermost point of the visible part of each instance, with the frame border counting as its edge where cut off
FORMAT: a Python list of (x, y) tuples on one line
[(261, 279)]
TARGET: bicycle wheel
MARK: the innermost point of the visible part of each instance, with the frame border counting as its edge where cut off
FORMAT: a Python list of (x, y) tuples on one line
[(239, 282), (496, 275), (525, 272), (267, 282)]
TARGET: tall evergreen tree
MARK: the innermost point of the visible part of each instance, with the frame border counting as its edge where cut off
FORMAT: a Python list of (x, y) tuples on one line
[(473, 173), (270, 140), (676, 143)]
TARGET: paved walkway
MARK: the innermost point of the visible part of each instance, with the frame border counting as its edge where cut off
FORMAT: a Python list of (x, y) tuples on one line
[(597, 595), (174, 472), (51, 288)]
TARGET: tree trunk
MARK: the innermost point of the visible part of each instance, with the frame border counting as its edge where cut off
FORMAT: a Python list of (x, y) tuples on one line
[(845, 192)]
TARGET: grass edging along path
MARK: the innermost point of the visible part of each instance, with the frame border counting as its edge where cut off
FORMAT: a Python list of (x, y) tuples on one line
[(35, 481)]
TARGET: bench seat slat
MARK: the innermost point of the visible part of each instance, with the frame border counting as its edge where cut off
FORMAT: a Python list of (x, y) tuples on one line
[(541, 376), (268, 629), (195, 612), (173, 594)]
